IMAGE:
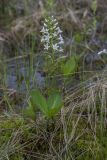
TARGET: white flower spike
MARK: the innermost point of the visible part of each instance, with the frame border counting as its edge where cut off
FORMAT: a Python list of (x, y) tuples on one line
[(51, 35)]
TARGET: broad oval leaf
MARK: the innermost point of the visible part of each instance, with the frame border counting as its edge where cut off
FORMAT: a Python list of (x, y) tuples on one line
[(70, 66), (37, 99), (55, 103)]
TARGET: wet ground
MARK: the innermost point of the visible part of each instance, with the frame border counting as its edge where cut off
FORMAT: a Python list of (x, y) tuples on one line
[(20, 77)]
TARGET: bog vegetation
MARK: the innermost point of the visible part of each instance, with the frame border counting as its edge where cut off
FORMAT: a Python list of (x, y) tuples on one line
[(53, 80)]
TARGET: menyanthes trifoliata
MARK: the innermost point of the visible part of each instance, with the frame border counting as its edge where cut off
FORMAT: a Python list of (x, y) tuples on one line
[(51, 36)]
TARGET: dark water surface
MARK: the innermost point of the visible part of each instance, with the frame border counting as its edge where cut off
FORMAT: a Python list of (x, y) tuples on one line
[(20, 77)]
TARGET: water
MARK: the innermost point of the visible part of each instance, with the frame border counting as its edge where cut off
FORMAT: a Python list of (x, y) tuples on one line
[(20, 78)]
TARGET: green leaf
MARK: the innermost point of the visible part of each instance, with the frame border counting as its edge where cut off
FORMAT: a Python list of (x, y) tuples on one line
[(70, 66), (55, 103), (49, 107), (37, 99)]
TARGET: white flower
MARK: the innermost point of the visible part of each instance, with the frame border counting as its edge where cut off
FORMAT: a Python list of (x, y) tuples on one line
[(61, 50), (46, 20), (45, 38), (61, 42), (60, 38), (45, 24), (44, 30), (55, 47), (55, 34), (46, 46), (53, 19), (58, 30), (103, 51), (55, 25)]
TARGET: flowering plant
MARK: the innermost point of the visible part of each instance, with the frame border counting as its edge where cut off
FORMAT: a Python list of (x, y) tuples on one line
[(51, 36)]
